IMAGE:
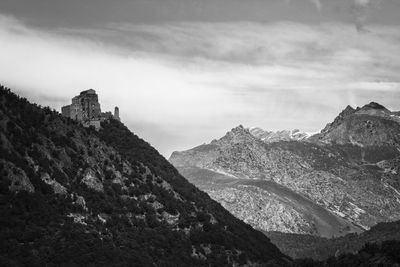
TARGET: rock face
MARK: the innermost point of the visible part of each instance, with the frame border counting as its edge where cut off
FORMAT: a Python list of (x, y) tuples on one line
[(348, 171), (371, 125), (91, 181), (73, 196), (255, 206), (16, 177), (57, 187), (339, 119), (268, 205)]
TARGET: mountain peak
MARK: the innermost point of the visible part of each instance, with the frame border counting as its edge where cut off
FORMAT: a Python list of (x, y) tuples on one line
[(238, 134), (238, 131), (373, 105), (339, 119), (370, 125), (374, 109), (347, 111), (239, 128)]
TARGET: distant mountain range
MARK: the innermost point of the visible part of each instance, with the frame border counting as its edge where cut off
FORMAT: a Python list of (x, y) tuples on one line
[(342, 180)]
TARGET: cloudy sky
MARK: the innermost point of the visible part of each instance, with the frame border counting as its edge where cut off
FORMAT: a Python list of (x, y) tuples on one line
[(184, 72)]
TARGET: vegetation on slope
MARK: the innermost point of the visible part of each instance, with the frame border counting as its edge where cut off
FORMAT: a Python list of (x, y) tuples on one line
[(72, 196), (372, 254), (318, 248)]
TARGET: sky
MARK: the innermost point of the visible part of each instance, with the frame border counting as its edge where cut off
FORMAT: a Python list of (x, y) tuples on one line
[(184, 72)]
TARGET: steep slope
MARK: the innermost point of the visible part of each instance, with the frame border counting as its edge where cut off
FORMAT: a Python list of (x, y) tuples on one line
[(339, 119), (72, 196), (357, 183), (267, 205)]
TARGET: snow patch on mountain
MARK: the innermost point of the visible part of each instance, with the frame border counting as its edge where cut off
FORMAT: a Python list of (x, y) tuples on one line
[(284, 135)]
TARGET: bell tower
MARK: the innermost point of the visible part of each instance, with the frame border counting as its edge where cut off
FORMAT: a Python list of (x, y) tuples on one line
[(116, 114)]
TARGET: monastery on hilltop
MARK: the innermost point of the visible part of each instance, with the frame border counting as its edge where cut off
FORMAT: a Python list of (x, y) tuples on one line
[(85, 108)]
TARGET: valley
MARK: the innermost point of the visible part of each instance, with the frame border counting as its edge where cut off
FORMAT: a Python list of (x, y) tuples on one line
[(254, 200)]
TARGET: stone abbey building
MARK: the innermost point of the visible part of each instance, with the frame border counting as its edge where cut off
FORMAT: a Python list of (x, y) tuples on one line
[(85, 108)]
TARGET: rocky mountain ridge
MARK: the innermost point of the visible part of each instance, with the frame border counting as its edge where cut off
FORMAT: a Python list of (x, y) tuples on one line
[(349, 170)]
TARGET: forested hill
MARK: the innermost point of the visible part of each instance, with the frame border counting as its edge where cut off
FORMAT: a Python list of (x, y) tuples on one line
[(73, 196)]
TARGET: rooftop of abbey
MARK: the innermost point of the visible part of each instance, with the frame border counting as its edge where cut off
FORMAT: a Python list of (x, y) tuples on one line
[(86, 109)]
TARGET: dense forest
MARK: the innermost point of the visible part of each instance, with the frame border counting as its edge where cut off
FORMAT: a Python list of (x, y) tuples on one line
[(319, 248), (372, 254)]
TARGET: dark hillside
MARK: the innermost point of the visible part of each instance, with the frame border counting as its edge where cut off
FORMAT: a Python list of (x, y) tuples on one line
[(118, 136), (72, 196), (371, 254), (307, 246)]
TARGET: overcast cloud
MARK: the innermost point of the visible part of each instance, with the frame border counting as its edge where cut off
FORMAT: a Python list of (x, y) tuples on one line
[(180, 84)]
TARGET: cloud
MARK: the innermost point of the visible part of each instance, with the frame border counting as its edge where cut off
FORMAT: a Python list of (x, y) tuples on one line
[(182, 84), (361, 10), (316, 3), (361, 2)]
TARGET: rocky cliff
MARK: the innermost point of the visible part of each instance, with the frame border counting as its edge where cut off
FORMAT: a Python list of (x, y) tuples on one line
[(73, 196)]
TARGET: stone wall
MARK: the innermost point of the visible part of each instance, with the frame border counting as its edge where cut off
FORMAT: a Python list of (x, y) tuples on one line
[(84, 107), (66, 111), (90, 105)]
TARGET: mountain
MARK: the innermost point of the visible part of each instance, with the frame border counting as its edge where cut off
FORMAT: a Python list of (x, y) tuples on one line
[(267, 205), (342, 180), (285, 135), (75, 196), (371, 125)]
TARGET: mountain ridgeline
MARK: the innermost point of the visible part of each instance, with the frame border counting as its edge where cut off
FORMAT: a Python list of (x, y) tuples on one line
[(74, 196), (342, 180)]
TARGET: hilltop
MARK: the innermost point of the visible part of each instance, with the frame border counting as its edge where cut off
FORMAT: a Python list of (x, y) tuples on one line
[(71, 195)]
